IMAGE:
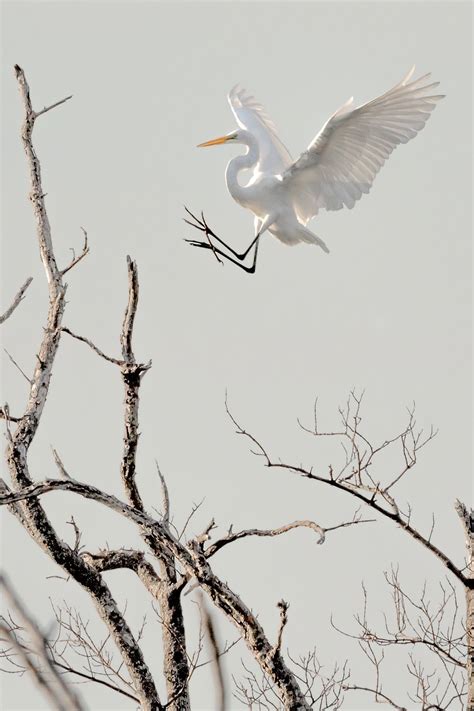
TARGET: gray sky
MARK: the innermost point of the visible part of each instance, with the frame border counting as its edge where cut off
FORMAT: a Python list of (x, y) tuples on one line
[(388, 310)]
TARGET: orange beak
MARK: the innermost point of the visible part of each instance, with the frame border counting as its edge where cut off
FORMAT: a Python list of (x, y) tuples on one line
[(214, 142)]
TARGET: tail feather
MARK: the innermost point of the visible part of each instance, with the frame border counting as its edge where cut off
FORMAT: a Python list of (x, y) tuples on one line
[(294, 232), (309, 237)]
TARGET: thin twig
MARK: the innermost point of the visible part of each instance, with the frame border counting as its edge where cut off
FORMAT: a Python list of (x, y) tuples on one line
[(57, 460), (76, 260), (52, 106), (17, 366), (50, 681)]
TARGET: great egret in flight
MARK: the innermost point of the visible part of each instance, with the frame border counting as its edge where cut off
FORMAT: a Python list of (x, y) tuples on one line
[(336, 169)]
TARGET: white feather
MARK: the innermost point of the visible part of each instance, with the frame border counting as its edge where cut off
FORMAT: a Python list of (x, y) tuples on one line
[(274, 157), (341, 162)]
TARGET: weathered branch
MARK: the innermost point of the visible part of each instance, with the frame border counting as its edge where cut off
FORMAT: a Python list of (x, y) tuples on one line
[(100, 353), (175, 661), (130, 312), (16, 301), (130, 559), (231, 536), (131, 375), (37, 193), (283, 607)]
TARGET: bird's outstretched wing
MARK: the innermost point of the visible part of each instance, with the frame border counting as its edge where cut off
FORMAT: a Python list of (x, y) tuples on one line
[(274, 157), (340, 164)]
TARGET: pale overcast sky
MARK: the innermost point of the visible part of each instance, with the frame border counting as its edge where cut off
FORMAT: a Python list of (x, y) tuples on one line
[(389, 310)]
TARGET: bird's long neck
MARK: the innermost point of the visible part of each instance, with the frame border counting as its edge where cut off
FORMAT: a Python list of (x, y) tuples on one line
[(247, 160)]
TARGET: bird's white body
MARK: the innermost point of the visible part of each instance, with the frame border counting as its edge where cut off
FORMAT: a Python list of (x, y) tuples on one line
[(337, 168), (267, 197)]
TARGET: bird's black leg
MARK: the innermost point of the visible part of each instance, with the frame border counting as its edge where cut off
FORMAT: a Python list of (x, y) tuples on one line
[(216, 250), (202, 226)]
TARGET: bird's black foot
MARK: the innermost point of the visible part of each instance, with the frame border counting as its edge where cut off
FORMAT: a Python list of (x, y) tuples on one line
[(201, 225)]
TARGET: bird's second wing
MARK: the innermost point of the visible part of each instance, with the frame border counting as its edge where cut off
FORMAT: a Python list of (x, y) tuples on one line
[(274, 157), (340, 164)]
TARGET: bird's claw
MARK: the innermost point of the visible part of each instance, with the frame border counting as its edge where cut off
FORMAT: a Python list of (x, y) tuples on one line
[(195, 243), (199, 223)]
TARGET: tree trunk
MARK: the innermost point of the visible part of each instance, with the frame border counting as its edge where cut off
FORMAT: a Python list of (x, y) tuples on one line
[(470, 647), (470, 618), (467, 520)]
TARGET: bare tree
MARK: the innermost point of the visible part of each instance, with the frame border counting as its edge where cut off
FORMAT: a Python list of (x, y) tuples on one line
[(171, 562), (117, 661)]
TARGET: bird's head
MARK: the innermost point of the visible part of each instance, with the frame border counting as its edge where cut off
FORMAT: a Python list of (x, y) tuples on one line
[(232, 137)]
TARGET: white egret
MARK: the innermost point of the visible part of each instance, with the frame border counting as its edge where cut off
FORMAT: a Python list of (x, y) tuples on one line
[(336, 169)]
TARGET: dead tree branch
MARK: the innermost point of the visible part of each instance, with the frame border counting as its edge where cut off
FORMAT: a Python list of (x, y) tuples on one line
[(283, 607), (16, 301), (75, 260), (231, 536)]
